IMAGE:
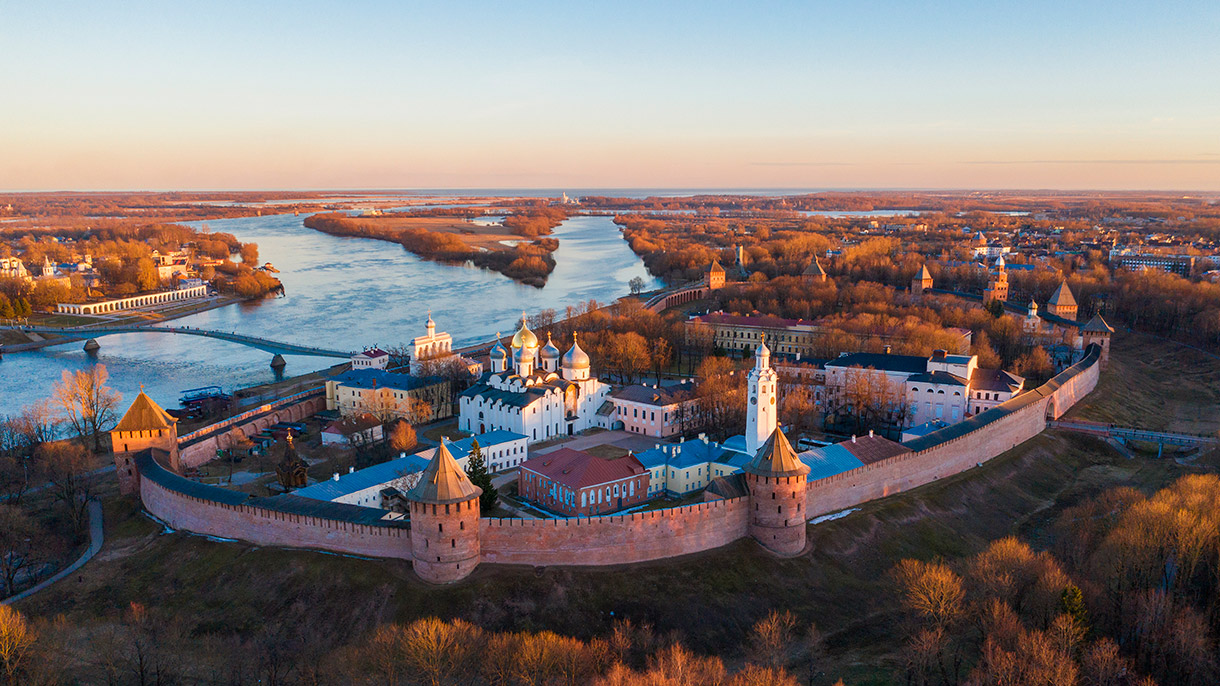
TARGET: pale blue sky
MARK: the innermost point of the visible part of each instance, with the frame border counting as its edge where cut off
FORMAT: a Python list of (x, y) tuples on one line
[(395, 95)]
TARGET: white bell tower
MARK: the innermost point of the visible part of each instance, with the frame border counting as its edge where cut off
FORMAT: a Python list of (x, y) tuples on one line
[(760, 412)]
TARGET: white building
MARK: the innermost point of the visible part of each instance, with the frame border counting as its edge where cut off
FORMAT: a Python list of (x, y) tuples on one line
[(374, 486), (941, 388), (540, 396), (501, 450), (433, 349), (373, 358), (13, 268)]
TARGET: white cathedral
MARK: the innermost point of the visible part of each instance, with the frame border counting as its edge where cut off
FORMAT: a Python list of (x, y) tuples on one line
[(542, 395)]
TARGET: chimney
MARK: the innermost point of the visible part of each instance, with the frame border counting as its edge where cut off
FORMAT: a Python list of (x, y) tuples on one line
[(351, 470), (870, 433), (705, 440), (335, 477), (887, 349), (853, 438), (938, 354)]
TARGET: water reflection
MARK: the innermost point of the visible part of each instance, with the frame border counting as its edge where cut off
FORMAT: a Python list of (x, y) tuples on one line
[(341, 293)]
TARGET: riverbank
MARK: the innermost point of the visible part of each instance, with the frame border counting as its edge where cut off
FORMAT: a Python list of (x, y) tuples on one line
[(10, 338), (451, 240)]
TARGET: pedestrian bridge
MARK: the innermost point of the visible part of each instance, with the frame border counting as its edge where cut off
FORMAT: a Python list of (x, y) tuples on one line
[(68, 334), (1127, 433)]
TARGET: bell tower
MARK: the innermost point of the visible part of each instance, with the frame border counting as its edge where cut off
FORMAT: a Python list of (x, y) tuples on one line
[(760, 412)]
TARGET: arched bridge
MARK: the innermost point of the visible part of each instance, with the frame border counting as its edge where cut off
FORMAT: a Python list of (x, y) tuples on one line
[(83, 332)]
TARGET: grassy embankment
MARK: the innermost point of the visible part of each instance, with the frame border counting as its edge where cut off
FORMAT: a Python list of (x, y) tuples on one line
[(708, 600)]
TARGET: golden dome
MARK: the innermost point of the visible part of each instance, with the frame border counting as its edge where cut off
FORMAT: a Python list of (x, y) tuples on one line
[(524, 337)]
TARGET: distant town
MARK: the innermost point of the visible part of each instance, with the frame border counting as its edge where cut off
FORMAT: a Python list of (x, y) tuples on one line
[(806, 365)]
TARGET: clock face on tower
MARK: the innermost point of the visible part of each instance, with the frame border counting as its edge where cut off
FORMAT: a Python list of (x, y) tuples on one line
[(753, 400), (772, 400)]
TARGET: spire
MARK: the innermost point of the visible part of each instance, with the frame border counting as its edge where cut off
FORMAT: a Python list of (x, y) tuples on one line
[(431, 324), (1098, 324), (443, 481), (145, 415), (924, 274), (776, 458), (1062, 297)]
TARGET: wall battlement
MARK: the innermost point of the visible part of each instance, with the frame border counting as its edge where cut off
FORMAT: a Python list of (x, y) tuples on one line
[(293, 521)]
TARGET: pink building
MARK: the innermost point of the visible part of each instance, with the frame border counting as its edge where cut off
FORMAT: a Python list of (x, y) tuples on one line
[(652, 411)]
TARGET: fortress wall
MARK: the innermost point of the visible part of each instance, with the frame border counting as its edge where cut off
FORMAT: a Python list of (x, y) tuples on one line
[(203, 449), (271, 528), (615, 539), (1009, 425)]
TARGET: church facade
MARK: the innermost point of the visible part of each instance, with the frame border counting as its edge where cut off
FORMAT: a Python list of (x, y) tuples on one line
[(537, 393)]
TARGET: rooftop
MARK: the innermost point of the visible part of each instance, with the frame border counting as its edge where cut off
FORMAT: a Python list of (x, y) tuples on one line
[(648, 395), (145, 415), (776, 458), (910, 364), (576, 469), (379, 378)]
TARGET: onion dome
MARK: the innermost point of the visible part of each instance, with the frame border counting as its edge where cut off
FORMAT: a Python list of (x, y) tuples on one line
[(498, 351), (549, 351), (575, 358), (523, 353), (524, 338)]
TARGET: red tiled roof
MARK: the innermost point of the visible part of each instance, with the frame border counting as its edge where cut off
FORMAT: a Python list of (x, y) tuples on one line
[(577, 470)]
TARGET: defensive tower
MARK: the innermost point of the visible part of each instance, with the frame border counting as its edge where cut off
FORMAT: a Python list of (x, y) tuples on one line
[(444, 521), (145, 425), (777, 478)]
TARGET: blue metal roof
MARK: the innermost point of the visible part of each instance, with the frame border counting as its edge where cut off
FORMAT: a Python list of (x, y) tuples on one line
[(828, 461), (381, 473), (379, 378), (365, 478), (693, 453)]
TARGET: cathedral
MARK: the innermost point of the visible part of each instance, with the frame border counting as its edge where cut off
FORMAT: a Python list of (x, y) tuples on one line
[(538, 392)]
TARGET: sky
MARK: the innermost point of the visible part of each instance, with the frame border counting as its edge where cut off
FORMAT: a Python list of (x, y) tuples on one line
[(802, 95)]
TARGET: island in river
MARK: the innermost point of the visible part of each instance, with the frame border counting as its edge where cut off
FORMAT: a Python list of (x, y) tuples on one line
[(517, 246)]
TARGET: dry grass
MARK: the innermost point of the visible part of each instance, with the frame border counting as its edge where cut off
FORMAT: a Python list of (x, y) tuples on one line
[(473, 235), (1156, 384)]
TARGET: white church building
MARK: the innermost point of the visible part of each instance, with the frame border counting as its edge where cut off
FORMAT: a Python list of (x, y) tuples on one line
[(539, 393)]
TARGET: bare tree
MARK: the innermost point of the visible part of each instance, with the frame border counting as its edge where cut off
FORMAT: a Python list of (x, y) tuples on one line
[(87, 403), (17, 642), (66, 466), (17, 536), (771, 639)]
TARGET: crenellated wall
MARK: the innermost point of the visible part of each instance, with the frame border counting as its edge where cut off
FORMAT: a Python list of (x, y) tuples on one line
[(200, 446), (615, 539), (287, 521), (960, 446), (293, 521)]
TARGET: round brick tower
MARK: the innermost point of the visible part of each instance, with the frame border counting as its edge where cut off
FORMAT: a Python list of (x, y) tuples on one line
[(444, 521), (776, 477)]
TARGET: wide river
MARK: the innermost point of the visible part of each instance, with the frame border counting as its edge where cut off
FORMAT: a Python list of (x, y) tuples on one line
[(340, 293)]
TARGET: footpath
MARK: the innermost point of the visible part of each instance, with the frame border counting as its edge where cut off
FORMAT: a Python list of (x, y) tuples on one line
[(96, 538)]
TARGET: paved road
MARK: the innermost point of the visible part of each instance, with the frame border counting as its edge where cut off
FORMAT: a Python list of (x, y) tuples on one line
[(96, 538)]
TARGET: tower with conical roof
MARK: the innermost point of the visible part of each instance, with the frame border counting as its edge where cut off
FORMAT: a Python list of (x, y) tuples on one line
[(761, 407), (444, 521), (777, 478), (814, 272), (1098, 331), (921, 282), (1062, 302), (144, 425), (715, 275)]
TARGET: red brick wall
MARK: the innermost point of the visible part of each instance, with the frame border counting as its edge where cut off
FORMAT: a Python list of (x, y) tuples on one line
[(615, 539), (265, 527), (908, 471), (204, 450)]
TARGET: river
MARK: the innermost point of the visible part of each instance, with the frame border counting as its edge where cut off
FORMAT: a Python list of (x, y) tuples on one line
[(340, 293)]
